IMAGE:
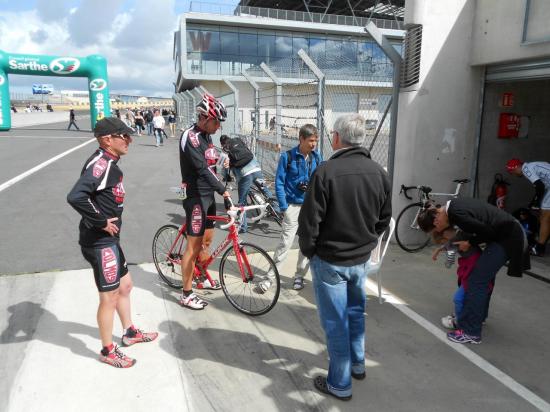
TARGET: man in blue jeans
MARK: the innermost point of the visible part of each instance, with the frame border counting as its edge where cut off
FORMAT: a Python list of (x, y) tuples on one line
[(346, 208), (505, 242)]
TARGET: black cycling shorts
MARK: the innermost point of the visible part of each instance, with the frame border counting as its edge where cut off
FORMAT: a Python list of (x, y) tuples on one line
[(196, 210), (109, 265)]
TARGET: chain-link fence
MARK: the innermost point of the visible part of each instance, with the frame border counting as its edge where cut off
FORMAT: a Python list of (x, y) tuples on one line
[(289, 93)]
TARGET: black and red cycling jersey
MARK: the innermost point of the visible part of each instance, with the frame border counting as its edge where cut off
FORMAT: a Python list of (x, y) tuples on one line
[(98, 195), (198, 158)]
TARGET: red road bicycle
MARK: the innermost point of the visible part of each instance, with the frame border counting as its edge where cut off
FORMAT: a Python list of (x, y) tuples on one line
[(248, 276)]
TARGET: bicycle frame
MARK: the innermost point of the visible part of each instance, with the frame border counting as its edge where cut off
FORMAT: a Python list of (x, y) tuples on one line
[(232, 238)]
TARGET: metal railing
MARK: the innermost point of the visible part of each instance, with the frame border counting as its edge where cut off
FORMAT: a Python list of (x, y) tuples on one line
[(263, 12)]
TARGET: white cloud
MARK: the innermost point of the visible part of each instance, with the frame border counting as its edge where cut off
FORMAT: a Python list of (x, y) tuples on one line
[(137, 43)]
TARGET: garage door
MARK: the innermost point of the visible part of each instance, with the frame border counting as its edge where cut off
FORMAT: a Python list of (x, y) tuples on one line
[(531, 70)]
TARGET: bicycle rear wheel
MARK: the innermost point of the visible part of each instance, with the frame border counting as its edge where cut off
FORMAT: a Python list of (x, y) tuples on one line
[(167, 254), (407, 233), (258, 293)]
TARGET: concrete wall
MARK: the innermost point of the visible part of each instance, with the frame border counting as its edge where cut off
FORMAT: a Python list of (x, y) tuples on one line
[(530, 99), (437, 118), (498, 28)]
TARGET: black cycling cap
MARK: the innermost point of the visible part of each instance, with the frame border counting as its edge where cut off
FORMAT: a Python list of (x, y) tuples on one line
[(111, 125)]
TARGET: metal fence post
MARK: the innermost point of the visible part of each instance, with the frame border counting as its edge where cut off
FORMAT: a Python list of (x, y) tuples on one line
[(320, 98), (236, 108), (396, 59), (256, 110), (279, 103)]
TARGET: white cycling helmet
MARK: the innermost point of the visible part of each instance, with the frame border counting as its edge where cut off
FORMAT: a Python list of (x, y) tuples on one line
[(212, 108)]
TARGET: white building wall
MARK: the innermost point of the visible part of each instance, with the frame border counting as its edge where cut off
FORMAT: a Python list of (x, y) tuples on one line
[(437, 117), (498, 30)]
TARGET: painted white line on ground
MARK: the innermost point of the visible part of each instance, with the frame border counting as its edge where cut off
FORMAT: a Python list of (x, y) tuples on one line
[(16, 179), (473, 357), (50, 137)]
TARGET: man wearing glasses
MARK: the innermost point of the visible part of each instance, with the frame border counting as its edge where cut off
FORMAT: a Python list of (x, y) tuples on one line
[(98, 196)]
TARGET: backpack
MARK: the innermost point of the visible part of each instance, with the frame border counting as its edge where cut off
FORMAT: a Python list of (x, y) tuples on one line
[(239, 154), (289, 158)]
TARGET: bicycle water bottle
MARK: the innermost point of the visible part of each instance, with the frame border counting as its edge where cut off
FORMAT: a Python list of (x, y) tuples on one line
[(451, 257), (258, 198)]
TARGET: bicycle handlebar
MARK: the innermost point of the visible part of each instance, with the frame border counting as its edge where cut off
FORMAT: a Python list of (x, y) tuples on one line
[(404, 191), (234, 211)]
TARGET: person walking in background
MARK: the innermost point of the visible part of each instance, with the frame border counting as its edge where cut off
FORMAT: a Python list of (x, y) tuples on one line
[(138, 118), (148, 116), (538, 173), (291, 182), (72, 120), (172, 123), (98, 196), (346, 208), (158, 123)]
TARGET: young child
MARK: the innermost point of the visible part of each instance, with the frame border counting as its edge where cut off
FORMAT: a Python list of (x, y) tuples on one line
[(466, 262)]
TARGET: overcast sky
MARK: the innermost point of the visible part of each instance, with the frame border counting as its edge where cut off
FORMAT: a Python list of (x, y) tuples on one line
[(135, 36)]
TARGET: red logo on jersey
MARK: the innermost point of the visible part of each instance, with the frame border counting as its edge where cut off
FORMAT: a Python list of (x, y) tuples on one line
[(196, 219), (211, 155), (109, 265), (119, 192), (194, 138), (99, 167)]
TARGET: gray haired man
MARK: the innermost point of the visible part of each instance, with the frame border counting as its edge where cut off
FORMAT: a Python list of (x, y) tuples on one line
[(346, 208)]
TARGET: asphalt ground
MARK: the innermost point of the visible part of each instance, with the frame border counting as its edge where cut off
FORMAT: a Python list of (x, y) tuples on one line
[(219, 359)]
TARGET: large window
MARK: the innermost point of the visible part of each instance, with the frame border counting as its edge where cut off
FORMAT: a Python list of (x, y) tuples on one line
[(221, 50)]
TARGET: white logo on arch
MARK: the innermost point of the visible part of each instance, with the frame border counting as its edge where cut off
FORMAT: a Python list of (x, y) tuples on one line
[(64, 65), (97, 85)]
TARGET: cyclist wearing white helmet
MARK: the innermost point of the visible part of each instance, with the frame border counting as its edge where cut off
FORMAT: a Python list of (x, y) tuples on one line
[(198, 158)]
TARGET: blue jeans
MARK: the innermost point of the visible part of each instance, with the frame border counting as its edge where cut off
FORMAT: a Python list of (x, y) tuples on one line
[(150, 128), (158, 135), (244, 184), (458, 300), (340, 296), (477, 296)]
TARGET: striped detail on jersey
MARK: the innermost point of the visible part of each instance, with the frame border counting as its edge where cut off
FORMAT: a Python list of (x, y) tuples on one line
[(103, 183)]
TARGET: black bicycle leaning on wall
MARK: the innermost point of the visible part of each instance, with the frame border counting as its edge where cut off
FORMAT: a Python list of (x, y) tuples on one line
[(407, 233)]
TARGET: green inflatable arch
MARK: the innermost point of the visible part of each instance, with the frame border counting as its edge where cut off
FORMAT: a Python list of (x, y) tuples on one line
[(94, 67)]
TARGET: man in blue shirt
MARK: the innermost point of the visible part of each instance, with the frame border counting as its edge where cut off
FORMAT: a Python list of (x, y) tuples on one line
[(293, 174)]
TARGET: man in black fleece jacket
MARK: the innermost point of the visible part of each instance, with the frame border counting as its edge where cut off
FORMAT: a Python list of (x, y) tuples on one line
[(346, 208)]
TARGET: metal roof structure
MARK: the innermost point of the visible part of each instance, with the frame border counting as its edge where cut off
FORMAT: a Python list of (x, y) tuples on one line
[(379, 9)]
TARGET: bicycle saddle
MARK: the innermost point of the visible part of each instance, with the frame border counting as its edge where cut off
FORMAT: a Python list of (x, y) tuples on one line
[(461, 181), (425, 189)]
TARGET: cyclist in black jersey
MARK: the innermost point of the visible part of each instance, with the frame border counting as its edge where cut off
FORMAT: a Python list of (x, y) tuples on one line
[(98, 196), (198, 158)]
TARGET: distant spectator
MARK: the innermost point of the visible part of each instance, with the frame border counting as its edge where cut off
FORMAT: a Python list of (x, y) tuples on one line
[(138, 118), (72, 120), (148, 116), (158, 124), (13, 109), (172, 123)]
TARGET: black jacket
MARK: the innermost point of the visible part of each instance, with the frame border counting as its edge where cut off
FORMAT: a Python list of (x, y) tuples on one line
[(98, 195), (346, 208), (486, 223), (198, 158)]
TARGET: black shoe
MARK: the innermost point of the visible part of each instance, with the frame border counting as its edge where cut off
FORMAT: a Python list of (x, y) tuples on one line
[(320, 383), (359, 376)]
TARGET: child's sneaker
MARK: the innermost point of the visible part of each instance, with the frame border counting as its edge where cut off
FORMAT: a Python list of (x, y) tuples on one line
[(192, 301), (137, 336), (116, 358), (449, 322), (459, 336)]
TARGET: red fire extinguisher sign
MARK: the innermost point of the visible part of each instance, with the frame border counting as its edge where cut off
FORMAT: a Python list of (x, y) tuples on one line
[(508, 125)]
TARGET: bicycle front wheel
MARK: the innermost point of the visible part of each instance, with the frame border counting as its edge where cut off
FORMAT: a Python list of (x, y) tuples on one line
[(258, 292), (167, 250), (407, 233)]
